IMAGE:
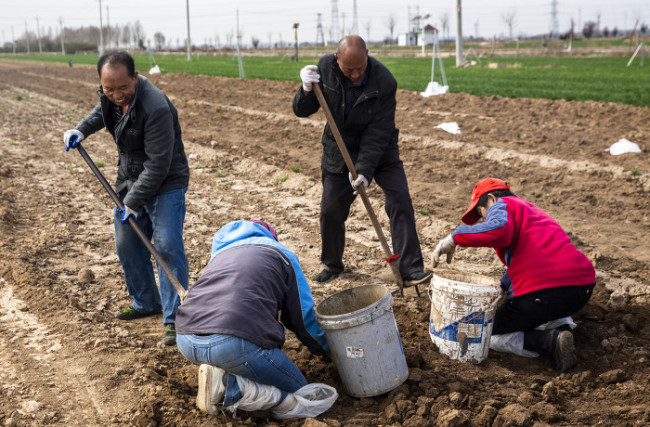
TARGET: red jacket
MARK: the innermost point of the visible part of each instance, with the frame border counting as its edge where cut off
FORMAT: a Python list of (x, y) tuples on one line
[(538, 252)]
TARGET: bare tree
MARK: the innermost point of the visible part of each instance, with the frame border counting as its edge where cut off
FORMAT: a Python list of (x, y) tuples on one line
[(444, 23), (366, 26), (255, 42), (390, 23), (116, 35), (229, 35), (510, 18), (589, 29), (138, 34), (159, 40), (126, 35)]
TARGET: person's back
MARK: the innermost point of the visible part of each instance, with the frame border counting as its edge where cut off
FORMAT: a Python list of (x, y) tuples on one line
[(538, 252), (240, 293)]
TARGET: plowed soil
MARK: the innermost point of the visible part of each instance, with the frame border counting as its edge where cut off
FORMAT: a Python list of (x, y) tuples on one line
[(65, 359)]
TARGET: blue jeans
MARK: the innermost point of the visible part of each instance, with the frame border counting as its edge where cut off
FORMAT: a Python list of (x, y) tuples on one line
[(161, 219), (240, 357)]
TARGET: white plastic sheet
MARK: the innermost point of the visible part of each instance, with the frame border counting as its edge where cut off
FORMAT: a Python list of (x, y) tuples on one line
[(514, 341), (154, 70), (451, 127), (433, 88), (310, 401), (623, 146)]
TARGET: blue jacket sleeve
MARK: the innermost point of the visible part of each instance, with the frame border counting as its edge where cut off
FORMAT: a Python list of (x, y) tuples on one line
[(496, 232), (298, 313)]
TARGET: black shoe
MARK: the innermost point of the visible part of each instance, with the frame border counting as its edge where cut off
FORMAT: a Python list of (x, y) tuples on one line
[(169, 336), (564, 352), (325, 276), (417, 277), (130, 313)]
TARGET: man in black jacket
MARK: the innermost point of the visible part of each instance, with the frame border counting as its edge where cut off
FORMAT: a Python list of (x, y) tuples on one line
[(152, 179), (360, 92)]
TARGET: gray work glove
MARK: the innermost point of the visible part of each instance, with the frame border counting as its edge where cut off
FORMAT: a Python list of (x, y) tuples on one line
[(72, 138), (356, 183), (309, 75), (445, 246)]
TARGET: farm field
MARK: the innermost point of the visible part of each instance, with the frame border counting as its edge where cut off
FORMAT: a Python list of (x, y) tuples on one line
[(65, 359), (605, 79)]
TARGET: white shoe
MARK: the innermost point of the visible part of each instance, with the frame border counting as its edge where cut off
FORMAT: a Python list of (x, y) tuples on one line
[(211, 388)]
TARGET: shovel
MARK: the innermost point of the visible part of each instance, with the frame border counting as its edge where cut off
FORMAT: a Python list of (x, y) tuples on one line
[(143, 237), (390, 257)]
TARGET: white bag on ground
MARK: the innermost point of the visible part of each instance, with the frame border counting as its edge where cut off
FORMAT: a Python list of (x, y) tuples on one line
[(255, 396), (514, 341), (307, 402)]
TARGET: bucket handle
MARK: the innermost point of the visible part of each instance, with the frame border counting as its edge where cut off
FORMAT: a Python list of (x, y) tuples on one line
[(368, 317)]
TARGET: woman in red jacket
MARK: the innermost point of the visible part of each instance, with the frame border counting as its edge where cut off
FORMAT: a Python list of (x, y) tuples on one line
[(546, 279)]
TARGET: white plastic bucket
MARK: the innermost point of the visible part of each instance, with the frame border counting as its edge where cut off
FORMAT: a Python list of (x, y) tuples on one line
[(462, 314), (364, 340)]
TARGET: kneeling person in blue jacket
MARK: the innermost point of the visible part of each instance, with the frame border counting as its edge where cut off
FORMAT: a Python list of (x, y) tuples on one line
[(228, 323)]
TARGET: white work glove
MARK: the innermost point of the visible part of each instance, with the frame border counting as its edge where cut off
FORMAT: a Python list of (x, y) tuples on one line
[(126, 213), (309, 75), (445, 246), (356, 183), (72, 138)]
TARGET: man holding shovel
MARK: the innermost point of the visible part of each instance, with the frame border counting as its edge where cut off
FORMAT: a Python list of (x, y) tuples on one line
[(152, 179), (360, 93)]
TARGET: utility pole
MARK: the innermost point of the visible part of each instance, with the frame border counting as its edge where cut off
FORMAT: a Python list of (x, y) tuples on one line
[(242, 75), (335, 29), (101, 30), (61, 35), (189, 44), (27, 37), (459, 34), (38, 32), (320, 38), (355, 24), (555, 26), (13, 39), (108, 28), (295, 38)]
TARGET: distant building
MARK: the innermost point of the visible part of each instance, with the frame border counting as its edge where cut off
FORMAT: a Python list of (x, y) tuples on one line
[(426, 35)]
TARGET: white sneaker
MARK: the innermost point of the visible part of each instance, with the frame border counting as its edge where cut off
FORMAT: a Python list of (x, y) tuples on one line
[(211, 388)]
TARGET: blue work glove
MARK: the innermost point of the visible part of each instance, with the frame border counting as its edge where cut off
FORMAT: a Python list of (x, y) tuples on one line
[(126, 213), (72, 138), (356, 183)]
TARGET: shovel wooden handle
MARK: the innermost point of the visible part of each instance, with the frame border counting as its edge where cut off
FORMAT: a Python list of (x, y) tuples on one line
[(143, 237), (390, 258)]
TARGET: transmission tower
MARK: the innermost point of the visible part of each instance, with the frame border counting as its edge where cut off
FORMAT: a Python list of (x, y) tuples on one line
[(355, 24), (335, 31), (555, 26), (320, 38)]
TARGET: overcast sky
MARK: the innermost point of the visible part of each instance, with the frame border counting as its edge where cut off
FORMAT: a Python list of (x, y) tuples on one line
[(272, 20)]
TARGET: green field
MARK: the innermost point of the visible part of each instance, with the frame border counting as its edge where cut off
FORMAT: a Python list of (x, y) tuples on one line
[(606, 79)]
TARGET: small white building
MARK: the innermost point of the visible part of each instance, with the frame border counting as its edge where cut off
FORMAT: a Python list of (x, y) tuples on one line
[(425, 37)]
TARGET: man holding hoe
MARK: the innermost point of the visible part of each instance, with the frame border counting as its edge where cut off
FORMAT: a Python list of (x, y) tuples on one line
[(152, 179), (360, 92)]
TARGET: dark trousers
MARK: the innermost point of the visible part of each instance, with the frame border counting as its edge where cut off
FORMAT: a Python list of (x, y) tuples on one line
[(336, 200), (526, 312)]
